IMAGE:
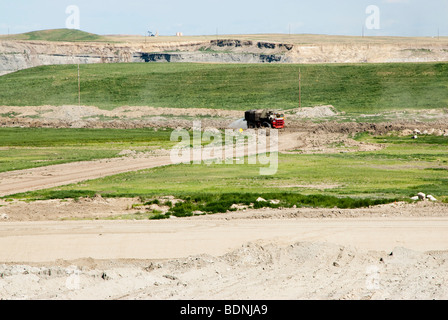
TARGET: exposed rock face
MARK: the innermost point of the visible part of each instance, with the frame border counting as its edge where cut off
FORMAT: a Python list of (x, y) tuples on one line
[(17, 55), (215, 57)]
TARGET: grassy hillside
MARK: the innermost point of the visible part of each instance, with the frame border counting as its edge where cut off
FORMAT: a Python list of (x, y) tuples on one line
[(353, 88), (68, 35)]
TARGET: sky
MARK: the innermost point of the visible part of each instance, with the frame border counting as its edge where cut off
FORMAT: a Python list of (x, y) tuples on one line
[(209, 17)]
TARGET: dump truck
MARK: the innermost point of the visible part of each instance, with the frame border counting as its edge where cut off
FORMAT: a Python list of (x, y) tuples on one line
[(264, 119)]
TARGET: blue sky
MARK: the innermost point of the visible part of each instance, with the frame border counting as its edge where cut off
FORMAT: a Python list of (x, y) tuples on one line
[(206, 17)]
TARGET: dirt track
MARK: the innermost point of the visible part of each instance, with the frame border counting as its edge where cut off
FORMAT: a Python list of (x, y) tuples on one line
[(57, 175), (154, 240)]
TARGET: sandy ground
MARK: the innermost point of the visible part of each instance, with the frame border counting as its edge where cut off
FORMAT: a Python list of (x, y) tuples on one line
[(262, 254)]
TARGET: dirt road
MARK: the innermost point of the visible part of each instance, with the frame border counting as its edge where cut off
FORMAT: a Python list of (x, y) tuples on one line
[(51, 176), (152, 240)]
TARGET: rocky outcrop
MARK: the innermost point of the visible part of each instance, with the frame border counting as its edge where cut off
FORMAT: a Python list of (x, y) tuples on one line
[(215, 57), (17, 55)]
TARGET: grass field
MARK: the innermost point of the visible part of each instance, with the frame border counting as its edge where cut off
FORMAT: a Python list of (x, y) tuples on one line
[(404, 168), (23, 148), (49, 137), (354, 88)]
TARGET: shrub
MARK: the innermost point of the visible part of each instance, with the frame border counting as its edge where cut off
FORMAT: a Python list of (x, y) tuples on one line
[(219, 203)]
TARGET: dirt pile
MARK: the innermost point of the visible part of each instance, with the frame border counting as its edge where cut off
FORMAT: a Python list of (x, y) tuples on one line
[(125, 117), (377, 128), (315, 112), (91, 208), (254, 271), (327, 142)]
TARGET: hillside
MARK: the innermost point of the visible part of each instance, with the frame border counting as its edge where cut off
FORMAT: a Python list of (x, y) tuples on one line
[(352, 88), (68, 35)]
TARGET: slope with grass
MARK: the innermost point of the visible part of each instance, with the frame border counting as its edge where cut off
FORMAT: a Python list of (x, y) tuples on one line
[(351, 88), (68, 35)]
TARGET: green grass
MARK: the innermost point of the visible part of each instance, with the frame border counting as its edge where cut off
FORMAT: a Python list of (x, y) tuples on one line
[(69, 35), (50, 137), (422, 140), (20, 158), (222, 202), (351, 88), (353, 179), (23, 148)]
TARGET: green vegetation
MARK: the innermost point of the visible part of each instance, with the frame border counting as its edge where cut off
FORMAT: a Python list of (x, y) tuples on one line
[(354, 88), (23, 148), (345, 180), (69, 35), (49, 137), (219, 202), (25, 158), (422, 140)]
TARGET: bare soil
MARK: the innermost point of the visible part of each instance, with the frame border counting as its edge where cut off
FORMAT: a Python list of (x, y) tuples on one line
[(374, 253)]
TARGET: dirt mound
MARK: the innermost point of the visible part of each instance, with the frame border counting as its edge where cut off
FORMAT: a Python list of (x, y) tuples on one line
[(316, 112), (73, 113), (125, 117), (92, 208), (128, 117), (297, 271)]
